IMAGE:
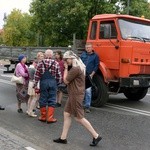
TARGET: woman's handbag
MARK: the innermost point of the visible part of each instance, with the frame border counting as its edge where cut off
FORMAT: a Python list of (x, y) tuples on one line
[(19, 80), (63, 87), (94, 88), (15, 79)]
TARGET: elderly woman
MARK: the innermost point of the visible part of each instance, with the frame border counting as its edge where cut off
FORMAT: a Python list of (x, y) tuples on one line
[(21, 89), (74, 77)]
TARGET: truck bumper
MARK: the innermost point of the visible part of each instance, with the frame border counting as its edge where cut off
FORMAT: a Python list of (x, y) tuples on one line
[(135, 82)]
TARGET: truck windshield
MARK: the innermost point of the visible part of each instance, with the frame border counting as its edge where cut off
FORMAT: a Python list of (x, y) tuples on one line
[(135, 30)]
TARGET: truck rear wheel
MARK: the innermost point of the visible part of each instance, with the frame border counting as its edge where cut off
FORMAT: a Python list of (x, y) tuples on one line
[(135, 94), (100, 95)]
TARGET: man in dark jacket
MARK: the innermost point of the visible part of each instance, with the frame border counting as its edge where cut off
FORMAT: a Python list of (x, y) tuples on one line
[(91, 61)]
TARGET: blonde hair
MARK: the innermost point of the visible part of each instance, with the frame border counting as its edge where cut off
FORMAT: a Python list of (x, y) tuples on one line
[(76, 61), (39, 54)]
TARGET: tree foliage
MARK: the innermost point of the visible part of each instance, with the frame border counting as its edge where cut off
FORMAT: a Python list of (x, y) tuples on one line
[(56, 21), (53, 22), (17, 31)]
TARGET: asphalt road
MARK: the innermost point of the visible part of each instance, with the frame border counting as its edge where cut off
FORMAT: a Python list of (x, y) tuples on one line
[(124, 125)]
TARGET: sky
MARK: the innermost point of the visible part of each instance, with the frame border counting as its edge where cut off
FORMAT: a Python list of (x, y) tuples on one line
[(6, 6)]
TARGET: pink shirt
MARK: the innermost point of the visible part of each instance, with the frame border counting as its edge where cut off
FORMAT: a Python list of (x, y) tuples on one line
[(20, 71)]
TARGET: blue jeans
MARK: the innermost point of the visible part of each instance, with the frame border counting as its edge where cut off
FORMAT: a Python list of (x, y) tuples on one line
[(87, 98), (48, 89)]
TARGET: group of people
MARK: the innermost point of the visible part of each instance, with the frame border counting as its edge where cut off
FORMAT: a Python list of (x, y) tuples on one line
[(41, 82)]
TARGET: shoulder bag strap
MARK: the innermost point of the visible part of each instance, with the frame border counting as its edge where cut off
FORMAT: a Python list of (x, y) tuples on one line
[(49, 66)]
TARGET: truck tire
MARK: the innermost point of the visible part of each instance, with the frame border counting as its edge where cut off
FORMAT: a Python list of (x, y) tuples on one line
[(100, 96), (135, 94)]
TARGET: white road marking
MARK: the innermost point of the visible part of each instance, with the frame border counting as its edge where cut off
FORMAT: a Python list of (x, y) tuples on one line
[(119, 107), (7, 75), (2, 69), (6, 82), (133, 110), (30, 148)]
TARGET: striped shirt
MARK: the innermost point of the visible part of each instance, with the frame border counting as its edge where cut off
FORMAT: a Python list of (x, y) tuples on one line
[(54, 70)]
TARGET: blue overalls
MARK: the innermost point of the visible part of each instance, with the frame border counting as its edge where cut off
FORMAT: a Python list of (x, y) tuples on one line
[(48, 89)]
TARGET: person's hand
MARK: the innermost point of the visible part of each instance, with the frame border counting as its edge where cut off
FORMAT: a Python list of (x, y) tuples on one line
[(65, 65), (37, 91), (34, 86), (91, 76)]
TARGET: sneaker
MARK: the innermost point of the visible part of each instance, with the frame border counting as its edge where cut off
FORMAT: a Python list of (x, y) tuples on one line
[(59, 140), (87, 110), (58, 105), (27, 112), (20, 110), (37, 107), (95, 141), (31, 114)]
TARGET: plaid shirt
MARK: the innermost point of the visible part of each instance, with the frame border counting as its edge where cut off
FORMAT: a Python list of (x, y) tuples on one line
[(54, 70)]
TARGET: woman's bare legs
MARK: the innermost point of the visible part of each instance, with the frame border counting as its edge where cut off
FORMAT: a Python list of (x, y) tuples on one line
[(59, 96), (88, 126), (19, 104), (29, 103), (66, 126)]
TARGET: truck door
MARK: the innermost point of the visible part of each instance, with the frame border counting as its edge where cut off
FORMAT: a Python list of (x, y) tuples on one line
[(107, 46)]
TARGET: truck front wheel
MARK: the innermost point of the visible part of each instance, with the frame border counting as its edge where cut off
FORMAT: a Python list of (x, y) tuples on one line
[(100, 96), (135, 94)]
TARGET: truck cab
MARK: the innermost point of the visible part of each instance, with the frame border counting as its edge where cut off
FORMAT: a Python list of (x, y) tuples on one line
[(122, 43)]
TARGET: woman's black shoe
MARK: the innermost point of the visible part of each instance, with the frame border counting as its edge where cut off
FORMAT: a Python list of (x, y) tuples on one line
[(95, 141), (59, 140), (2, 108), (58, 105), (20, 110)]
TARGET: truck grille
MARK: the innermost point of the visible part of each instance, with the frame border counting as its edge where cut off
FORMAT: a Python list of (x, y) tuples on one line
[(144, 69)]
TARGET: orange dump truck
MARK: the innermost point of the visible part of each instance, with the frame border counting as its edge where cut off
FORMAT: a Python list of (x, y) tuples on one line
[(123, 45)]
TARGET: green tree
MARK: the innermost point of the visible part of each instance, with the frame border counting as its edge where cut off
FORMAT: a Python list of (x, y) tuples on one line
[(136, 7), (1, 37), (56, 21), (17, 30)]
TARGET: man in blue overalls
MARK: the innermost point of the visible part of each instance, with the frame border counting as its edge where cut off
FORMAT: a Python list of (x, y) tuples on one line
[(48, 72)]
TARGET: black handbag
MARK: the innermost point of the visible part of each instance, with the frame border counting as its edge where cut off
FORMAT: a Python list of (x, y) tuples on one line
[(63, 87), (89, 83)]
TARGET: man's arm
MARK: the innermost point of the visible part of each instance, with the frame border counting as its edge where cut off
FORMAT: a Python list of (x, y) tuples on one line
[(37, 75), (96, 63)]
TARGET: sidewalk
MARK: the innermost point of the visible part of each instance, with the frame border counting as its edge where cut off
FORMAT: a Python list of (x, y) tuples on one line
[(9, 141)]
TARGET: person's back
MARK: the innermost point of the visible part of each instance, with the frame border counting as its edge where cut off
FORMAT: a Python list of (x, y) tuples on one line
[(53, 68), (49, 74)]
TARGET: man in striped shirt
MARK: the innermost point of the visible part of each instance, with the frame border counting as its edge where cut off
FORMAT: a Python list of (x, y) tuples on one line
[(49, 74)]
